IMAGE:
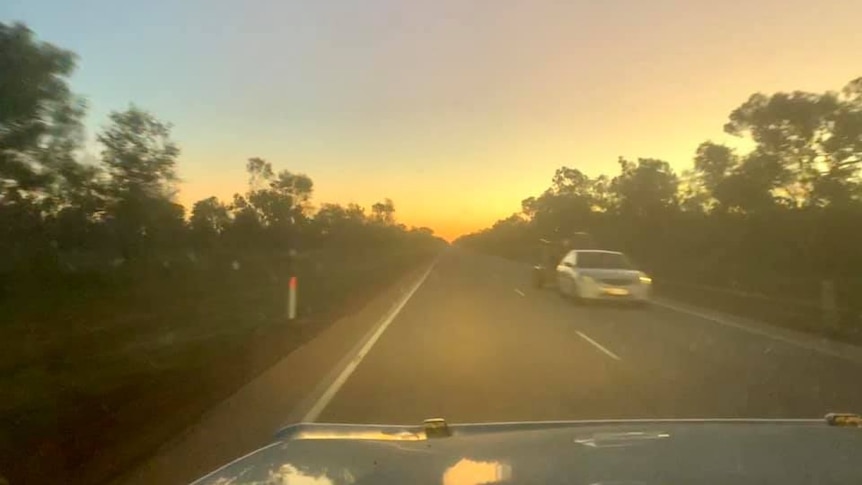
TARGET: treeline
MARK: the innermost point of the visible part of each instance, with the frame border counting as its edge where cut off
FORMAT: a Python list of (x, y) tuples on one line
[(776, 220), (64, 211), (127, 315)]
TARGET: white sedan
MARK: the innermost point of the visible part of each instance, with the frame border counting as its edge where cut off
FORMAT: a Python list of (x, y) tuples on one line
[(602, 275)]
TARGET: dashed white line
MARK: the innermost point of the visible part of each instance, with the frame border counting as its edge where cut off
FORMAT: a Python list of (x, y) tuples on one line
[(519, 292), (339, 381), (599, 346)]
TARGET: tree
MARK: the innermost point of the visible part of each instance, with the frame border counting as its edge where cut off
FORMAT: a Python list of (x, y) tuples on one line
[(338, 223), (815, 138), (278, 199), (299, 189), (40, 125), (569, 204), (787, 211), (275, 207), (140, 159), (139, 154), (571, 181), (39, 116), (210, 218), (259, 172), (755, 185), (713, 163), (384, 212), (48, 199), (646, 188), (553, 213), (298, 186), (841, 183)]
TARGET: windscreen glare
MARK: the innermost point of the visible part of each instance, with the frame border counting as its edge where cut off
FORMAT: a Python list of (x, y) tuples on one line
[(598, 260), (488, 211)]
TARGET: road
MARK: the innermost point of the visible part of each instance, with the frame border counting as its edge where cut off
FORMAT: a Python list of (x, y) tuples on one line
[(475, 343), (469, 341)]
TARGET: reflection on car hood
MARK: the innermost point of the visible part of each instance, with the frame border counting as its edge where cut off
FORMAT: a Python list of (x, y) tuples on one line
[(602, 273), (583, 452)]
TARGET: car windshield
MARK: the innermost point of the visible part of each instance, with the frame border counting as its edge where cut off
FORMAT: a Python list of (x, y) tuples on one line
[(601, 260), (218, 217)]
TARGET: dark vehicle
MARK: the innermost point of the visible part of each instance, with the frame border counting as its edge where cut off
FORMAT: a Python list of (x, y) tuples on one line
[(551, 251), (642, 452)]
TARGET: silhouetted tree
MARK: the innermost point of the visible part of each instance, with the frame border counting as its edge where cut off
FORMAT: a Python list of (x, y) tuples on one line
[(210, 219), (807, 144), (384, 212), (40, 119), (140, 159), (786, 211), (647, 188), (46, 194)]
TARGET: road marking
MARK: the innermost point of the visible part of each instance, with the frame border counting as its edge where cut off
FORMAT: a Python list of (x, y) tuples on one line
[(345, 373), (519, 292), (599, 346), (820, 347)]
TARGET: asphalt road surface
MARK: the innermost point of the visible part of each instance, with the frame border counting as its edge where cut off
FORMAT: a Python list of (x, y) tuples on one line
[(468, 340), (476, 343)]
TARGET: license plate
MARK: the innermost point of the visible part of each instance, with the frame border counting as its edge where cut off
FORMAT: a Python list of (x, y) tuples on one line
[(617, 291)]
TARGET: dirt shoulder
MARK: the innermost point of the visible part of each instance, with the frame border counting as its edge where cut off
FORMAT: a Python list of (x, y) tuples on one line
[(88, 400), (249, 418)]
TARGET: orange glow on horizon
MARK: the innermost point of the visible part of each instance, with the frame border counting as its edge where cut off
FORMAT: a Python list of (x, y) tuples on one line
[(443, 225), (467, 110)]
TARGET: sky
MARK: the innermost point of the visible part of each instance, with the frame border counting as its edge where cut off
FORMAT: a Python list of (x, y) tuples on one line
[(455, 109)]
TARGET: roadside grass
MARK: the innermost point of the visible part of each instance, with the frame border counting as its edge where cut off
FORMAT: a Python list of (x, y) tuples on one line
[(101, 373), (798, 311)]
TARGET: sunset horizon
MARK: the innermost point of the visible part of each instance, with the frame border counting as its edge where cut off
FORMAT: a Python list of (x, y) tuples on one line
[(455, 112), (550, 232)]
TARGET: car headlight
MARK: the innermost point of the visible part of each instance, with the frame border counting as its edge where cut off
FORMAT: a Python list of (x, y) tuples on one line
[(645, 279)]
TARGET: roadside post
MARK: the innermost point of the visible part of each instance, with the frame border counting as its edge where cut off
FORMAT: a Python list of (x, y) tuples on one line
[(291, 288), (291, 298)]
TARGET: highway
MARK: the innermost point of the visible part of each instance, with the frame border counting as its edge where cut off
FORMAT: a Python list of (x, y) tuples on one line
[(467, 339), (476, 343)]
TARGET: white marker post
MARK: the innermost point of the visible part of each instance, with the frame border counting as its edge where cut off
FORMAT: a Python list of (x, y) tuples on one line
[(291, 299)]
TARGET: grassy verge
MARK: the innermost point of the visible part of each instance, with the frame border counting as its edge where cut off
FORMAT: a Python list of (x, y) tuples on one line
[(106, 373), (797, 313)]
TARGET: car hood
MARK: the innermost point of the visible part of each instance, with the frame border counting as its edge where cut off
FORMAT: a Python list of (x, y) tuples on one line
[(600, 273), (582, 452)]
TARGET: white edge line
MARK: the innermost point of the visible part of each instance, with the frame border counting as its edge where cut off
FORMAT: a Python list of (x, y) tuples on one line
[(599, 346), (519, 292), (756, 331), (345, 373)]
